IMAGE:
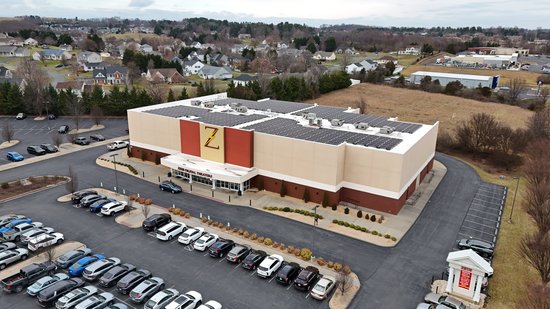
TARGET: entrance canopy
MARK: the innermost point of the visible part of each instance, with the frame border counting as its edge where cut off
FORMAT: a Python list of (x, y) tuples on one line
[(208, 169)]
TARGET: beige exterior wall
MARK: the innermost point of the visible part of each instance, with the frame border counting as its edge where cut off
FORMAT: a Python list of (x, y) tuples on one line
[(418, 156), (155, 130)]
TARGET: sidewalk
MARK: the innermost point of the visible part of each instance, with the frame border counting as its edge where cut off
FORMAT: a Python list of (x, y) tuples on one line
[(393, 225)]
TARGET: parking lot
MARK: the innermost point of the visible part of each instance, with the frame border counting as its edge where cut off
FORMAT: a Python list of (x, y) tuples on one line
[(484, 215), (36, 132), (181, 267)]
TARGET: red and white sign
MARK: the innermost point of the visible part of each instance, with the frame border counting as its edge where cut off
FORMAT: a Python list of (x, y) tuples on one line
[(465, 278)]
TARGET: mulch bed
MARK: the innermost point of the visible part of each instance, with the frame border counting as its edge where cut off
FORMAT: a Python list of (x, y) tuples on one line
[(8, 190)]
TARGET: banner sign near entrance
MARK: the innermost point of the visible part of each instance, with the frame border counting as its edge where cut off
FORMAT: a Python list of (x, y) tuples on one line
[(465, 278), (212, 143), (192, 172)]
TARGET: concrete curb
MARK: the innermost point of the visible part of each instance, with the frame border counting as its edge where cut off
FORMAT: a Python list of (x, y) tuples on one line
[(67, 179), (6, 144)]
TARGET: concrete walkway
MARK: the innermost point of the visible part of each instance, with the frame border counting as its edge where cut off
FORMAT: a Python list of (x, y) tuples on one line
[(394, 225)]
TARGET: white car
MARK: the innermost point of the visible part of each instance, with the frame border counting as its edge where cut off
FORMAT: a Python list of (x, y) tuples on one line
[(117, 145), (161, 299), (205, 241), (269, 265), (27, 236), (45, 240), (189, 300), (323, 287), (191, 235), (113, 207), (211, 304), (170, 230)]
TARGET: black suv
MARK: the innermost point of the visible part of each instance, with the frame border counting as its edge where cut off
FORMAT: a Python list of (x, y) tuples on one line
[(131, 280), (253, 259), (97, 137), (49, 148), (155, 221), (483, 248), (90, 199), (63, 129), (111, 277), (306, 278), (48, 296), (237, 254), (288, 273), (77, 196), (220, 248), (36, 150)]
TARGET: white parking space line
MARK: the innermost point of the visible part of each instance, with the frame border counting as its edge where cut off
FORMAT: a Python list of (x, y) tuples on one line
[(27, 132), (238, 265), (221, 260), (483, 217), (491, 213), (253, 273), (290, 285), (477, 223), (487, 203), (174, 241), (273, 277), (482, 232), (205, 254), (307, 295)]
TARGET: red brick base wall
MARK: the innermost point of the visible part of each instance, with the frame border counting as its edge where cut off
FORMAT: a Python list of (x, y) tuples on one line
[(146, 154)]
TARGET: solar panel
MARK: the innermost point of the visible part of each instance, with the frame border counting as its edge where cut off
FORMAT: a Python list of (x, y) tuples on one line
[(276, 106), (206, 115)]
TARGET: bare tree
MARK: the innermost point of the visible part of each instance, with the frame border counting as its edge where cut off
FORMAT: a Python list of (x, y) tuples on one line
[(36, 79), (539, 124), (70, 138), (362, 105), (517, 87), (97, 114), (479, 133), (344, 279), (72, 185), (345, 60), (156, 92), (145, 209), (57, 139), (537, 205), (76, 109), (49, 253), (7, 131), (535, 248), (544, 94), (537, 297), (536, 166), (133, 72)]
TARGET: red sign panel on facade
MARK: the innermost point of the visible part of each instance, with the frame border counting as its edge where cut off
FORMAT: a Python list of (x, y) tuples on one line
[(465, 278)]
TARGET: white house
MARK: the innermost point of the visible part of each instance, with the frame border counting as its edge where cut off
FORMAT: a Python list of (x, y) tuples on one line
[(366, 64), (411, 50), (324, 56), (66, 47), (466, 273), (211, 72), (88, 56), (244, 79), (196, 45), (76, 87), (282, 45), (90, 66), (30, 42), (51, 54), (146, 48), (238, 48)]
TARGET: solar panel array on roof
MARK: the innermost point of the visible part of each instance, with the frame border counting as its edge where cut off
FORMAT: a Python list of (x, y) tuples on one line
[(276, 106), (327, 112), (291, 128), (205, 115)]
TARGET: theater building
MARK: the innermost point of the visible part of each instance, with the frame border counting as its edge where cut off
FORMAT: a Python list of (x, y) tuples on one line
[(335, 154)]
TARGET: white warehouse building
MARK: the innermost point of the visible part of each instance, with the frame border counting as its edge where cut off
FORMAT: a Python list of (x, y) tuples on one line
[(468, 81)]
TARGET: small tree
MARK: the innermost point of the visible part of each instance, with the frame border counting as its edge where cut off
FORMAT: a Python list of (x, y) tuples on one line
[(72, 184), (362, 105), (325, 201), (145, 209), (359, 214), (7, 131), (537, 296), (260, 184), (344, 279), (97, 114), (57, 139), (535, 249), (70, 137), (306, 195), (49, 253), (283, 189), (170, 97), (184, 95), (517, 87)]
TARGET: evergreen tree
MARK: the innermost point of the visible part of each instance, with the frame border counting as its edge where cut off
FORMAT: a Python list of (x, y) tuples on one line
[(311, 47), (330, 44), (184, 95), (171, 96)]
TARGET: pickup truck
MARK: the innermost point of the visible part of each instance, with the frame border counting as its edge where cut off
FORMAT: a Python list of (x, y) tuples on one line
[(117, 145), (27, 276)]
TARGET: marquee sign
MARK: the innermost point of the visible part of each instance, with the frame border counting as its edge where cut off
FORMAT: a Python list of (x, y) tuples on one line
[(196, 173), (212, 143), (465, 278)]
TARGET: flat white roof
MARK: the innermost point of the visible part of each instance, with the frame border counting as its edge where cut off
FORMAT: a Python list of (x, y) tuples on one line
[(452, 75)]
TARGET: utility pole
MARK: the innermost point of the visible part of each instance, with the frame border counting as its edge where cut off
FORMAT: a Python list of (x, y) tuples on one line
[(116, 172), (514, 201)]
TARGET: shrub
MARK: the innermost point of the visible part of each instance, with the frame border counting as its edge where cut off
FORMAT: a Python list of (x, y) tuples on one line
[(235, 230), (380, 220), (132, 197), (286, 209), (275, 245), (359, 214), (183, 213), (268, 242), (334, 207), (187, 215), (241, 232), (297, 252), (290, 249), (176, 211), (321, 262), (306, 254), (171, 209), (265, 207), (141, 200), (374, 233), (148, 201), (228, 228), (260, 239), (393, 238), (346, 224), (330, 264), (340, 222), (337, 266), (346, 210), (387, 236), (334, 221), (246, 234), (364, 229), (373, 218), (254, 236), (204, 219), (282, 247)]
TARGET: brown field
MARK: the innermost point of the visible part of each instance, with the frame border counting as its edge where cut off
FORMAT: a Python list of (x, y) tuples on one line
[(506, 76), (422, 107)]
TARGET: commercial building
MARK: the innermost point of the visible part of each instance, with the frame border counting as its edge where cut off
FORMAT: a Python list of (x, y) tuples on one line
[(468, 81), (333, 153)]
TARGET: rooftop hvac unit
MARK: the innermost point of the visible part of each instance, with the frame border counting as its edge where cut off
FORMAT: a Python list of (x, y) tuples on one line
[(320, 122), (241, 109), (386, 130), (235, 105), (311, 116), (336, 122), (209, 104), (196, 103), (361, 125), (311, 122)]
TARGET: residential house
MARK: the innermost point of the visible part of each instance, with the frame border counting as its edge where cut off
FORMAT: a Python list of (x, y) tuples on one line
[(111, 75), (146, 48), (66, 47), (90, 66), (238, 48), (168, 75), (5, 72), (30, 42), (282, 45), (196, 45), (411, 50), (11, 41), (386, 59), (88, 56), (197, 55), (262, 47), (76, 87), (22, 52), (211, 72), (293, 52), (51, 54), (218, 59), (244, 79), (324, 56), (192, 67), (366, 65), (206, 46), (7, 51), (244, 36), (343, 49)]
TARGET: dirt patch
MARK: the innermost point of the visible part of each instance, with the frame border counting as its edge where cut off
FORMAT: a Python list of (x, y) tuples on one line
[(7, 144), (368, 237), (339, 301), (22, 186), (93, 128)]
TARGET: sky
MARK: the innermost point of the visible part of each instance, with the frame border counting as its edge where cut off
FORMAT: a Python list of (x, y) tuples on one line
[(418, 13)]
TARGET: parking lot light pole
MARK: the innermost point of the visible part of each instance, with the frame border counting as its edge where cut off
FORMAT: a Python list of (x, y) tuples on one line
[(514, 201), (116, 173), (315, 220)]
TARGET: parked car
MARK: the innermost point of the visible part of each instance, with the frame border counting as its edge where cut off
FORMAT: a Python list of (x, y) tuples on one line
[(170, 230), (146, 289), (27, 236), (46, 240), (97, 301), (11, 256), (238, 253), (36, 150), (45, 282), (117, 145), (190, 235), (63, 129), (269, 265), (90, 199), (52, 116), (427, 306), (211, 304), (483, 248), (220, 248), (189, 300), (111, 277), (169, 186), (6, 219), (18, 230), (161, 299), (128, 282), (78, 267), (323, 287), (205, 241), (117, 306), (253, 259), (98, 268), (306, 278), (49, 148), (440, 299), (155, 221), (288, 273), (27, 276), (78, 196), (7, 246), (69, 257), (113, 207), (20, 116), (97, 205), (97, 137), (14, 223), (75, 296), (81, 140), (14, 156), (50, 295)]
